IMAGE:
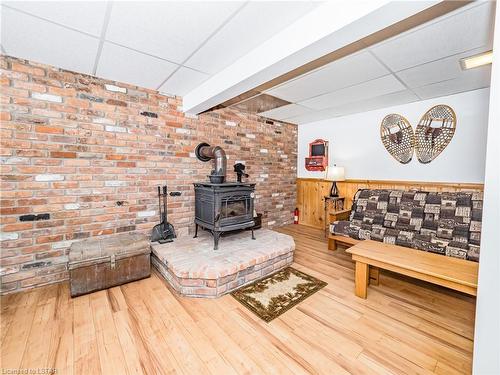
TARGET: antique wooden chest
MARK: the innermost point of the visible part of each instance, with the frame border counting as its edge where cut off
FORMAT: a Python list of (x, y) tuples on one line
[(100, 263)]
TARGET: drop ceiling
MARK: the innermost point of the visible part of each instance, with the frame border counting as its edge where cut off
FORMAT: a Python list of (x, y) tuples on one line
[(170, 46), (175, 46), (422, 63)]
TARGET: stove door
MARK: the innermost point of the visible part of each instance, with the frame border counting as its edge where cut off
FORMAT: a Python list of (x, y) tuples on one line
[(235, 209)]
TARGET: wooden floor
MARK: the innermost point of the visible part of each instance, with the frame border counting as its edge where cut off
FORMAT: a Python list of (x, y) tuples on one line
[(143, 328)]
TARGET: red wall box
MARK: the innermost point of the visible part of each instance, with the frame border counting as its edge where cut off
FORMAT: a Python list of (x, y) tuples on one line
[(318, 155)]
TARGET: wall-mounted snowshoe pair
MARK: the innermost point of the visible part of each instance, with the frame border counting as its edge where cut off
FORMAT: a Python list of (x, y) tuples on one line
[(433, 133)]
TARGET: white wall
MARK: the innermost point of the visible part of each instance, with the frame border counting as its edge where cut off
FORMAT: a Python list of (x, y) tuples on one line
[(487, 332), (355, 143)]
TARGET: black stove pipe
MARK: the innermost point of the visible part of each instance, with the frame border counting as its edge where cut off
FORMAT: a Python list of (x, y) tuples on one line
[(205, 152)]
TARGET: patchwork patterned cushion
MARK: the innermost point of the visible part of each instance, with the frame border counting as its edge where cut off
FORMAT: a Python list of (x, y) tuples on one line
[(447, 223)]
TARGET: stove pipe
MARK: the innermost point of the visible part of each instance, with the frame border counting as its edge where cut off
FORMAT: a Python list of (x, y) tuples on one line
[(205, 152)]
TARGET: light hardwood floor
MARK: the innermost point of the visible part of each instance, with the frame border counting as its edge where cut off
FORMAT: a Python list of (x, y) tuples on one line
[(143, 328)]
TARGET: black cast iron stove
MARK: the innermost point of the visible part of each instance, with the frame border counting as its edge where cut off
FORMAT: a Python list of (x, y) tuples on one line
[(221, 206)]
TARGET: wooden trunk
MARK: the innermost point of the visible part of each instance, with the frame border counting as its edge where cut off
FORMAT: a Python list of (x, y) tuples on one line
[(102, 263)]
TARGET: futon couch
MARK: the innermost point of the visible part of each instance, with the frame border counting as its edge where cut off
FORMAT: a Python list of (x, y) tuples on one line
[(447, 223)]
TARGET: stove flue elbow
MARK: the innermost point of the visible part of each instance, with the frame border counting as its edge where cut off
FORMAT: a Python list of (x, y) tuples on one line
[(205, 152)]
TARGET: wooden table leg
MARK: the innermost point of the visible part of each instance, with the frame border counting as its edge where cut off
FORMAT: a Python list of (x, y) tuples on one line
[(374, 275), (332, 244), (361, 279)]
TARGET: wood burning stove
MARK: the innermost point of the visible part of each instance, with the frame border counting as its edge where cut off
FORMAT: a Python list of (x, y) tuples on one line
[(223, 207)]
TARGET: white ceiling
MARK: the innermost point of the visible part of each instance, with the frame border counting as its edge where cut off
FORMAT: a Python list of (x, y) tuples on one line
[(175, 46), (171, 46), (421, 63)]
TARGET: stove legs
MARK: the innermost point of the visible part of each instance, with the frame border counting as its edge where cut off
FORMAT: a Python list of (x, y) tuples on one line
[(216, 239), (216, 236)]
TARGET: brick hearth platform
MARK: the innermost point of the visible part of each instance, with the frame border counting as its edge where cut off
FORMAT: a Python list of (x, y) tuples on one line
[(194, 269)]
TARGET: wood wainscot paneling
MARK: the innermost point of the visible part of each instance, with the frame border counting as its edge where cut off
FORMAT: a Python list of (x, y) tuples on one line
[(311, 193)]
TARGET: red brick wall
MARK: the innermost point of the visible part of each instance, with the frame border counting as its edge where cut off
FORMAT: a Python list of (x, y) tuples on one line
[(82, 159)]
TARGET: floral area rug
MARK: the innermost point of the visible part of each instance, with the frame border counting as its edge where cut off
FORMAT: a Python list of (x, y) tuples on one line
[(272, 296)]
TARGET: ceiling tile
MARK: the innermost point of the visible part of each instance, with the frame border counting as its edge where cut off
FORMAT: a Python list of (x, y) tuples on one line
[(124, 65), (87, 16), (286, 111), (383, 101), (465, 30), (183, 81), (314, 116), (345, 72), (376, 87), (472, 79), (253, 25), (30, 38), (259, 103), (171, 29), (436, 71)]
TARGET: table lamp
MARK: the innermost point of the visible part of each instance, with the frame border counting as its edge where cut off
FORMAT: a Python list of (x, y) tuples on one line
[(335, 174)]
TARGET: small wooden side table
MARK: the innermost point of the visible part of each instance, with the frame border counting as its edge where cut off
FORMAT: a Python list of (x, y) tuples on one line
[(334, 211)]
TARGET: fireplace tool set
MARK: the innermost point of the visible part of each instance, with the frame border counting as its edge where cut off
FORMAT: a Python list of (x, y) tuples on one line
[(163, 232)]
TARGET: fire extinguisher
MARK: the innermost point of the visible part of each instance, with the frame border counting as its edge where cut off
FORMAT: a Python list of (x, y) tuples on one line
[(296, 216)]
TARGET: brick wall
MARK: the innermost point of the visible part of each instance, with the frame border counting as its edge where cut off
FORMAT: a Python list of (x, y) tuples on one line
[(82, 157)]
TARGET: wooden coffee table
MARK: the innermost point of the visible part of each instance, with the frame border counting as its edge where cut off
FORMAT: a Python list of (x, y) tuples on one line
[(453, 273)]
